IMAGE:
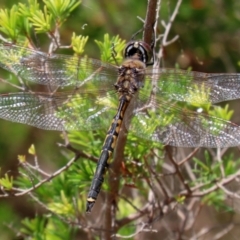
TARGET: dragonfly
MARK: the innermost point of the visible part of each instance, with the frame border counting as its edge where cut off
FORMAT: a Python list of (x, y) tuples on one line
[(85, 94)]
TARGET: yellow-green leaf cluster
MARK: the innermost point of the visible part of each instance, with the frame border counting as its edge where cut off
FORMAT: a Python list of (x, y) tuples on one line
[(111, 49), (78, 43)]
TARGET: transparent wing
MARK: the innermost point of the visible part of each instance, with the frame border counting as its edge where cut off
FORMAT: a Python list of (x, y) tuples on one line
[(195, 87), (158, 120), (162, 121), (63, 70), (63, 111), (55, 69), (156, 116)]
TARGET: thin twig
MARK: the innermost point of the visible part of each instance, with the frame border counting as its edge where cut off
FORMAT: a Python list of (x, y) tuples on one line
[(188, 157), (78, 152), (178, 172), (12, 84), (168, 27), (142, 229), (131, 217), (217, 186), (22, 192)]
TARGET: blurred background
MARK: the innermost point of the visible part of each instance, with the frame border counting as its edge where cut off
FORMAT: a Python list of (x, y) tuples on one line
[(209, 41)]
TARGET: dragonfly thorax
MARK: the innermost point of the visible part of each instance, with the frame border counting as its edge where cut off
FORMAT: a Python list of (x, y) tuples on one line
[(131, 76)]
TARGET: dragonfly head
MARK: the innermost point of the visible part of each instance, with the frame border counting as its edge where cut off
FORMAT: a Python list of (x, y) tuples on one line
[(138, 50)]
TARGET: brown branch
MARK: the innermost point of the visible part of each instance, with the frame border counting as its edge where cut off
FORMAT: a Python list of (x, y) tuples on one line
[(157, 179), (78, 152), (115, 170), (114, 183), (150, 20), (178, 172)]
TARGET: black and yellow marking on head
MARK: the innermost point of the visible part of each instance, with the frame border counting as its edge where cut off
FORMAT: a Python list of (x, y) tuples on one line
[(141, 48)]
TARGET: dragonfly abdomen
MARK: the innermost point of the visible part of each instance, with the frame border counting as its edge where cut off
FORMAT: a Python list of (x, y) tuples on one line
[(106, 153)]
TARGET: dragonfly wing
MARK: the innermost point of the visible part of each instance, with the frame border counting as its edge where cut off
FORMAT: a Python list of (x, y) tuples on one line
[(56, 69), (162, 121), (196, 87), (62, 111)]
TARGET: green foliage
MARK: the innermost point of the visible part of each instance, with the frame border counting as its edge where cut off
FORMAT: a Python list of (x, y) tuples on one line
[(180, 199), (32, 150), (199, 97), (111, 49), (20, 18), (6, 182), (8, 218), (80, 175), (217, 200), (230, 164), (78, 43), (222, 112), (34, 226), (209, 172), (9, 20), (64, 207), (42, 21), (15, 21), (45, 228), (61, 9), (26, 10)]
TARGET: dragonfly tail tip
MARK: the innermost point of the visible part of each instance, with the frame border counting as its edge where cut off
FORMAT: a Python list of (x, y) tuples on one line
[(90, 206)]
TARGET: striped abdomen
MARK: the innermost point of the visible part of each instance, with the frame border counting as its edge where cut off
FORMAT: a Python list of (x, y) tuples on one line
[(107, 151)]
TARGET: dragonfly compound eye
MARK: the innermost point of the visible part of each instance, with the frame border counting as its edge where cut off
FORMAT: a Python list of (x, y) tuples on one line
[(139, 48)]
